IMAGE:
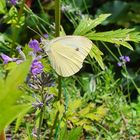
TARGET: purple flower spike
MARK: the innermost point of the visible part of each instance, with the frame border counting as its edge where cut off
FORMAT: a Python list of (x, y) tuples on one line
[(6, 58), (34, 44), (36, 67), (127, 58), (13, 2)]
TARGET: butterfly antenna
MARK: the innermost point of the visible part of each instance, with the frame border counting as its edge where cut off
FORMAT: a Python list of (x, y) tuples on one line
[(33, 30)]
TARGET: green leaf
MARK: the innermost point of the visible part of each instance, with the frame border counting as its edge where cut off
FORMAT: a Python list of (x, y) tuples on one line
[(88, 128), (63, 133), (29, 132), (75, 134), (21, 115), (87, 25), (98, 114), (119, 37), (97, 54), (13, 18), (2, 6), (83, 122), (10, 94), (73, 105), (86, 109)]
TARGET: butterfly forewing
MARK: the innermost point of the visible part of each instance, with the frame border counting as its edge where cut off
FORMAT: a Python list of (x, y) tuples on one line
[(67, 53)]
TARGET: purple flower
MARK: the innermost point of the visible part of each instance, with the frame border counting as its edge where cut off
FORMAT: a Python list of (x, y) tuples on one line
[(127, 58), (36, 67), (123, 60), (119, 64), (18, 61), (34, 44), (6, 58), (13, 2), (46, 35), (38, 104)]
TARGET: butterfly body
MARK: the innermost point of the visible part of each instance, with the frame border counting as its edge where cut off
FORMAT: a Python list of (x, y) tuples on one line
[(67, 53)]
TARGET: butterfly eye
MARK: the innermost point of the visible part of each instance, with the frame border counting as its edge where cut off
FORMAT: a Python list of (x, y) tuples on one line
[(77, 49)]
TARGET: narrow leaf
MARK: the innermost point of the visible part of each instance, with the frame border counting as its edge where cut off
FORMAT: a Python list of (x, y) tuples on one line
[(87, 25), (119, 37), (97, 54)]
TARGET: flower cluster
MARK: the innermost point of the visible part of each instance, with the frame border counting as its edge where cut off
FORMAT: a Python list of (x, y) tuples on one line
[(13, 2), (36, 77), (123, 60), (7, 59), (34, 44), (36, 67)]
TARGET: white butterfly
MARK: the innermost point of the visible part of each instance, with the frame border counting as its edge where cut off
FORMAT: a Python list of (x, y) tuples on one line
[(67, 53)]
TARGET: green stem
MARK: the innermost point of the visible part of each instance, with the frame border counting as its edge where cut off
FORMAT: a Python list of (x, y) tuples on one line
[(133, 82), (38, 19), (57, 33), (127, 73), (85, 6), (110, 51), (103, 128), (40, 6), (14, 28), (59, 87), (41, 114), (57, 18), (54, 124), (40, 123)]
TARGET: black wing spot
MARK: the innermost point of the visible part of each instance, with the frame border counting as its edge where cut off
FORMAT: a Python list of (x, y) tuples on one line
[(77, 49)]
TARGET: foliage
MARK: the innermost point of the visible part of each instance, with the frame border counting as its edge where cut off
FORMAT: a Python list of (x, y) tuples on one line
[(123, 13), (99, 102), (2, 6), (73, 134)]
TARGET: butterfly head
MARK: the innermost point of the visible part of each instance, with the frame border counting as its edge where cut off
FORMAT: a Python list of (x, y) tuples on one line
[(45, 45)]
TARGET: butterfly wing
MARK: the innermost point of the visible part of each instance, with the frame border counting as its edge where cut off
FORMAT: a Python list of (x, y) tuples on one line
[(67, 54)]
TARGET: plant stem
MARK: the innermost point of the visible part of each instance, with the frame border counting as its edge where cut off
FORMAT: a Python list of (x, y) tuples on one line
[(57, 18), (2, 135), (40, 123), (54, 124), (41, 114), (15, 29), (110, 51), (130, 78), (103, 128), (59, 87), (57, 33), (42, 10)]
